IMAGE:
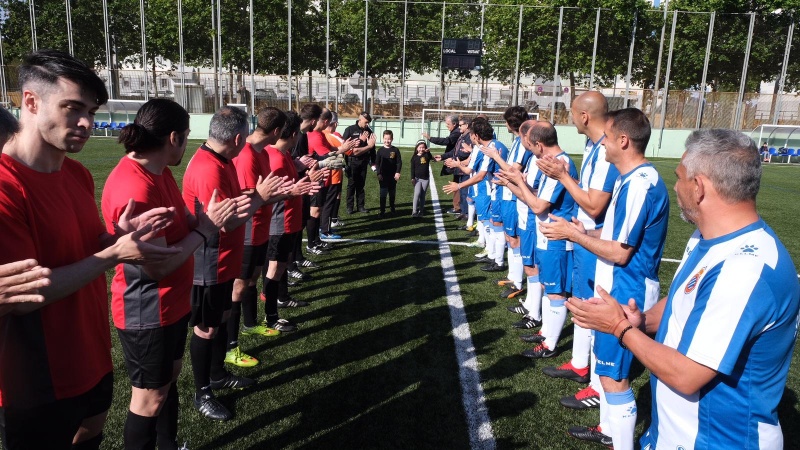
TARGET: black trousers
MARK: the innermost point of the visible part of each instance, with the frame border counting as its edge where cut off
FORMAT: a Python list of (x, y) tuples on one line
[(355, 187)]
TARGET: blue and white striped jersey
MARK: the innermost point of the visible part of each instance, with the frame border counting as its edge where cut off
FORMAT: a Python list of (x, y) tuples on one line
[(531, 172), (561, 205), (516, 155), (597, 174)]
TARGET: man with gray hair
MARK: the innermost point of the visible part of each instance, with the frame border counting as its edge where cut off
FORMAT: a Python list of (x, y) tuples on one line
[(211, 174), (725, 333), (451, 122)]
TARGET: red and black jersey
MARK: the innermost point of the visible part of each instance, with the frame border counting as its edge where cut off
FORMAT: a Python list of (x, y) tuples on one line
[(220, 259), (287, 216), (138, 302), (251, 164), (319, 148), (63, 349)]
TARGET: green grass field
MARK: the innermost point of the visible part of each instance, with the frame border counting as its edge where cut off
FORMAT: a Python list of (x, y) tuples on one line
[(374, 365)]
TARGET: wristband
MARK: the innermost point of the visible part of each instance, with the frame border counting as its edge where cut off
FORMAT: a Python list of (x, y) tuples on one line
[(621, 335), (205, 240), (615, 326)]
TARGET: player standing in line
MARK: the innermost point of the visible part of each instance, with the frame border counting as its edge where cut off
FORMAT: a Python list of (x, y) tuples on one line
[(551, 200), (56, 379), (628, 253), (592, 193), (219, 260), (150, 304)]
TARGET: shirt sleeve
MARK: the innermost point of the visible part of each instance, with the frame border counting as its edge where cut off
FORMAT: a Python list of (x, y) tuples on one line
[(16, 239), (246, 170), (630, 215)]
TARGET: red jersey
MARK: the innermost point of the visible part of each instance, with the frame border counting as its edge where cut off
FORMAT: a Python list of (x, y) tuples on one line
[(220, 259), (63, 349), (335, 140), (251, 164), (138, 302), (287, 216), (318, 144)]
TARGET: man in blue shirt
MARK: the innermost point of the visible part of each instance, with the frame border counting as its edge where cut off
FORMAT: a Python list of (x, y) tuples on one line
[(724, 335)]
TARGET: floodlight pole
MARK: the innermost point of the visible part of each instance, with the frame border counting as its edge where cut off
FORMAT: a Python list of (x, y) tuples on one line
[(108, 48), (180, 51), (778, 103), (701, 103), (144, 52), (594, 48), (3, 87), (219, 50), (555, 72), (289, 55), (328, 53), (252, 62), (666, 79), (630, 58), (364, 74), (403, 72), (68, 10), (441, 60), (658, 64), (214, 54), (738, 118), (516, 65), (480, 78)]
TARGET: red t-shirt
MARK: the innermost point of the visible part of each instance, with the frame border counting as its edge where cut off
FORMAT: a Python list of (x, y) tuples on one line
[(251, 164), (287, 216), (318, 143), (220, 259), (63, 349), (138, 302)]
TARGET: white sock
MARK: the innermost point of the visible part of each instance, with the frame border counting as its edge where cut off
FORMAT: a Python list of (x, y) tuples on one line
[(621, 418), (481, 234), (515, 268), (598, 387), (489, 241), (499, 244), (533, 299), (581, 347), (470, 214), (557, 314)]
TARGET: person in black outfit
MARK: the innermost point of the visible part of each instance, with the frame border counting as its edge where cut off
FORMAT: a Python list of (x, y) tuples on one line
[(450, 144), (420, 177), (358, 160), (388, 164), (460, 152)]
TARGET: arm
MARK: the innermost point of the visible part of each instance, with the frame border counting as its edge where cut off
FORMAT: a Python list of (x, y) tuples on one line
[(594, 202), (613, 251), (524, 192), (453, 187), (670, 366), (399, 165)]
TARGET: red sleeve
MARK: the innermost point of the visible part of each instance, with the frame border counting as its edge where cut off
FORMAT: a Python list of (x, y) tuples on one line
[(318, 144), (16, 240), (247, 169), (199, 183), (124, 184)]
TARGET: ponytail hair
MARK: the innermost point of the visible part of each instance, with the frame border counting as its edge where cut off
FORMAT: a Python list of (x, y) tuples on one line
[(154, 123)]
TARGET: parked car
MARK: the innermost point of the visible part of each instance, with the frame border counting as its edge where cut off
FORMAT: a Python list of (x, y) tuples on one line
[(433, 101), (350, 98), (456, 104), (266, 94), (415, 101), (502, 104), (307, 99), (532, 106)]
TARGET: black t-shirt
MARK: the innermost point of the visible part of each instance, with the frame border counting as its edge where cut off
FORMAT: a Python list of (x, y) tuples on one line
[(420, 166), (388, 162), (354, 131)]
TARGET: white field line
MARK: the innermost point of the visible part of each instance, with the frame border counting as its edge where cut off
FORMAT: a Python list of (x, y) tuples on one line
[(481, 436)]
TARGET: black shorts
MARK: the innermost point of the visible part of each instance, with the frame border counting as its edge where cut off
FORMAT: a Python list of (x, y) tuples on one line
[(255, 256), (150, 354), (318, 199), (53, 425), (209, 303), (281, 246)]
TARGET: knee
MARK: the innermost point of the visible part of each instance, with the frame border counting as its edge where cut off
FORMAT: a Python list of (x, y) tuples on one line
[(611, 385)]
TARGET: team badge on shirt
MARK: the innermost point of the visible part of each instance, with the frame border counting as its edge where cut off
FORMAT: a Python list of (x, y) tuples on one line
[(423, 161), (391, 155), (693, 281)]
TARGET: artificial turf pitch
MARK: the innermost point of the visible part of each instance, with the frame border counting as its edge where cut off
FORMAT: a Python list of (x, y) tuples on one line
[(373, 364)]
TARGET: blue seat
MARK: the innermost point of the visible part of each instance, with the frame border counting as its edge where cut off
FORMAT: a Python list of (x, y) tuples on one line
[(121, 125), (791, 152), (113, 125), (103, 124), (97, 125)]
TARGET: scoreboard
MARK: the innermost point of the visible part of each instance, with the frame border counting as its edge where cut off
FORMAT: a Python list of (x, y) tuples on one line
[(461, 54)]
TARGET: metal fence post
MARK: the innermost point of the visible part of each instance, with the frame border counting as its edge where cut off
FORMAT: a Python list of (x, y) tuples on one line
[(32, 12), (68, 10), (738, 116), (403, 71), (658, 64), (144, 52), (778, 102), (558, 56), (289, 55), (702, 101), (108, 49), (666, 79), (364, 75), (630, 58), (516, 66), (594, 48)]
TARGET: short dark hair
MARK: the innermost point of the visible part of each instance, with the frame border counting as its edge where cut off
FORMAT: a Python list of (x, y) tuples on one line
[(47, 66), (310, 111), (154, 122), (270, 118), (543, 132), (366, 115), (483, 129), (514, 116), (326, 114), (9, 125), (633, 123), (388, 132), (292, 125), (226, 123)]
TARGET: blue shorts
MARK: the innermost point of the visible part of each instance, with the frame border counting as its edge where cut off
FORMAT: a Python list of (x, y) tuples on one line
[(583, 271), (482, 204), (613, 361), (497, 211), (508, 210), (527, 247), (554, 270)]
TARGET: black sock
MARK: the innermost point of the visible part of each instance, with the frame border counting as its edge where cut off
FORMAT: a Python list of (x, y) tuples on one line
[(167, 426), (283, 287), (140, 432), (250, 306), (89, 444), (218, 349), (271, 305), (233, 325), (312, 230), (200, 353)]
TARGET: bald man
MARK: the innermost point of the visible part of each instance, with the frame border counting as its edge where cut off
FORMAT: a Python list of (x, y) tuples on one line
[(592, 193)]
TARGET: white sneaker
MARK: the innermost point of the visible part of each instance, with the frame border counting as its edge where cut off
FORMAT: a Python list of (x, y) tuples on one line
[(482, 254)]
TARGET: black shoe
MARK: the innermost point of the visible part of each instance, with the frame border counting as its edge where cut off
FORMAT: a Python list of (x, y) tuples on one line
[(586, 398), (296, 274), (315, 250), (536, 338), (292, 282), (511, 292), (292, 303), (473, 233), (325, 246), (454, 211), (527, 323), (349, 211), (591, 434), (461, 217), (518, 309), (309, 264), (567, 372), (484, 259), (232, 381), (363, 210), (381, 215), (211, 408), (284, 326), (540, 351), (493, 267), (462, 228)]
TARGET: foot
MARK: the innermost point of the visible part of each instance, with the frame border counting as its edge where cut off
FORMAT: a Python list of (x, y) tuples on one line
[(586, 398), (238, 358), (330, 236), (503, 281), (363, 210), (315, 250), (511, 292), (567, 371), (309, 264), (484, 260), (527, 323), (260, 330), (540, 351), (298, 275), (381, 215), (284, 326), (493, 267), (232, 381), (211, 408), (591, 434), (535, 338), (292, 303), (453, 211), (335, 223), (518, 309), (349, 211)]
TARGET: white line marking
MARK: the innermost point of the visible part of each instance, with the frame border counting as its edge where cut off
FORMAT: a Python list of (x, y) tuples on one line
[(472, 395)]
